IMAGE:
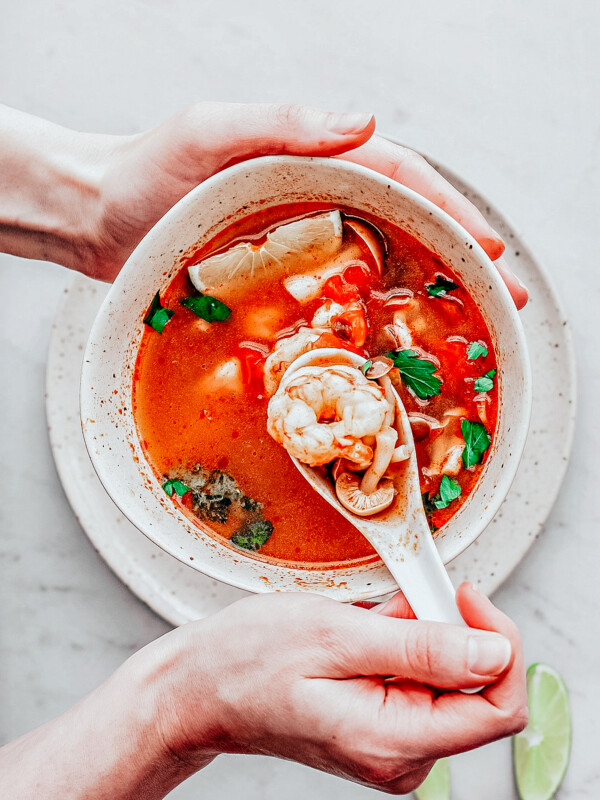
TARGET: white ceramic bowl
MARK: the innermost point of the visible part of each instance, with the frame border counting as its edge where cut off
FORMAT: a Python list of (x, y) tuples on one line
[(106, 387)]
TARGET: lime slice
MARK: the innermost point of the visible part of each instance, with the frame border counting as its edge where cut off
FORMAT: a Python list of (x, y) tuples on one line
[(541, 752), (436, 785), (289, 248)]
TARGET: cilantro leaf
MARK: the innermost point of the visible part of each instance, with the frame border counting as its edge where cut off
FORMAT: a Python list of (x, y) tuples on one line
[(366, 367), (441, 287), (477, 442), (475, 350), (173, 485), (417, 373), (449, 491), (486, 382), (207, 307), (158, 316), (254, 535)]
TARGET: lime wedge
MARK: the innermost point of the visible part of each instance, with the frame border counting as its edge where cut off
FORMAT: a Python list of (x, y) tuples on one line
[(541, 752), (436, 785), (287, 249)]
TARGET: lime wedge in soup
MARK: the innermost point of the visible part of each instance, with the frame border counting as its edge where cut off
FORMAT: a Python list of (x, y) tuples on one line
[(289, 248), (541, 752), (436, 785)]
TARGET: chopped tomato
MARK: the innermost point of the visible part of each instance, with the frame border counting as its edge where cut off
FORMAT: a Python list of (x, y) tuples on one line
[(253, 369), (354, 282), (337, 289)]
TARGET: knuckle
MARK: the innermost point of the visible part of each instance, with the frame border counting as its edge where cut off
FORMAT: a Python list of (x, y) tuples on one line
[(377, 772), (406, 159), (419, 650), (288, 115), (519, 720)]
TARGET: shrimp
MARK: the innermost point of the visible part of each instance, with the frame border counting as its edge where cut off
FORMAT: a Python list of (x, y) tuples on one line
[(287, 350), (323, 413)]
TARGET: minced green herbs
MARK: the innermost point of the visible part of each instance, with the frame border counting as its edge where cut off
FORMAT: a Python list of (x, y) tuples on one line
[(416, 373), (215, 495)]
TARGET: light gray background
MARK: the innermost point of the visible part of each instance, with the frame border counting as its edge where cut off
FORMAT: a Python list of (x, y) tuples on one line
[(506, 94)]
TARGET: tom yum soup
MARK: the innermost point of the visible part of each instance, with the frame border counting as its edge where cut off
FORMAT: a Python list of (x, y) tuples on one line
[(217, 416)]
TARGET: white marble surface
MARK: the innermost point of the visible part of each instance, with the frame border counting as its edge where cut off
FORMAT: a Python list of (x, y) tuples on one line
[(503, 92)]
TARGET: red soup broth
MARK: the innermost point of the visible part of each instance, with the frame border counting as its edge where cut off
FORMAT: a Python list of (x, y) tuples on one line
[(184, 424)]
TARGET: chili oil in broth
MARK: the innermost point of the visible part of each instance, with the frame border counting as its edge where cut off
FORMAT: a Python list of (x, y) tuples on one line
[(187, 421)]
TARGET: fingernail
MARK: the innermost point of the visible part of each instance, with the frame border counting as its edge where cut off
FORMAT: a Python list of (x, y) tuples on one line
[(496, 234), (488, 654), (348, 123)]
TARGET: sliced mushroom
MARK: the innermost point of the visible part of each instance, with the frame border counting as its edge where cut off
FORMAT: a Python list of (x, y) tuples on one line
[(372, 239), (401, 453), (386, 440), (380, 366), (386, 384), (347, 489), (422, 425)]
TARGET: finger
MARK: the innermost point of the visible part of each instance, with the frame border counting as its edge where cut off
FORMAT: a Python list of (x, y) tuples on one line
[(396, 606), (412, 170), (517, 291), (444, 656), (458, 722), (479, 612), (225, 133)]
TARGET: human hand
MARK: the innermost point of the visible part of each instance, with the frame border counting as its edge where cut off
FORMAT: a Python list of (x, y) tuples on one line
[(142, 176), (307, 679)]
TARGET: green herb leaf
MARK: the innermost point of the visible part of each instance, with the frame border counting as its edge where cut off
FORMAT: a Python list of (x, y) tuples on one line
[(475, 350), (486, 382), (158, 316), (207, 308), (254, 535), (417, 373), (476, 442), (366, 367), (449, 491), (441, 287), (173, 485)]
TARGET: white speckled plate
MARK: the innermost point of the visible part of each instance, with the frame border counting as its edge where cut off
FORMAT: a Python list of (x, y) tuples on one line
[(179, 593)]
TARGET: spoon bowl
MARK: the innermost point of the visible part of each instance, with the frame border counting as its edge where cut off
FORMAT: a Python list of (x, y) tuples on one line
[(400, 533)]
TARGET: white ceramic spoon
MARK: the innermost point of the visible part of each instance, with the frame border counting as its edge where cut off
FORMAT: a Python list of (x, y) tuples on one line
[(401, 533)]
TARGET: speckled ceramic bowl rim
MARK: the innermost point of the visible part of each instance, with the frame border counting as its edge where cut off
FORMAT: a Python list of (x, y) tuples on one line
[(366, 581)]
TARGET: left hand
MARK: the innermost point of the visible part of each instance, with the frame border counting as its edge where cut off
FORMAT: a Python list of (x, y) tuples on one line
[(143, 176)]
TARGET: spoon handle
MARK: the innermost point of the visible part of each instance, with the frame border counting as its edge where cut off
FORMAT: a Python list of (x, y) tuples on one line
[(420, 573)]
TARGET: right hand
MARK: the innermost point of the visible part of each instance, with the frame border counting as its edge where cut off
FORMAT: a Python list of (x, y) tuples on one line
[(303, 677)]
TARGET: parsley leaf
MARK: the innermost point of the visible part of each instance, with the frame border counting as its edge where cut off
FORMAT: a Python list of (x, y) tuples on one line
[(449, 491), (207, 308), (417, 373), (253, 536), (476, 442), (366, 367), (475, 350), (173, 485), (441, 287), (486, 382), (158, 316)]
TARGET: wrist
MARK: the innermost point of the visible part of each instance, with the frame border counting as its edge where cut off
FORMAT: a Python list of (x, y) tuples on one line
[(50, 199), (176, 703)]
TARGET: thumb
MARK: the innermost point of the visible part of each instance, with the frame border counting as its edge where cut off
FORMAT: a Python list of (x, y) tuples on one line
[(445, 656), (216, 135)]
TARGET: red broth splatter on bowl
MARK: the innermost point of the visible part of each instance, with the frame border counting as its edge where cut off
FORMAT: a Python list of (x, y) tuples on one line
[(200, 390)]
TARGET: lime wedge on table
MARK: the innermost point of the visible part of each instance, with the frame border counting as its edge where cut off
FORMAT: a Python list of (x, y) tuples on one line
[(436, 785), (541, 752), (286, 249)]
